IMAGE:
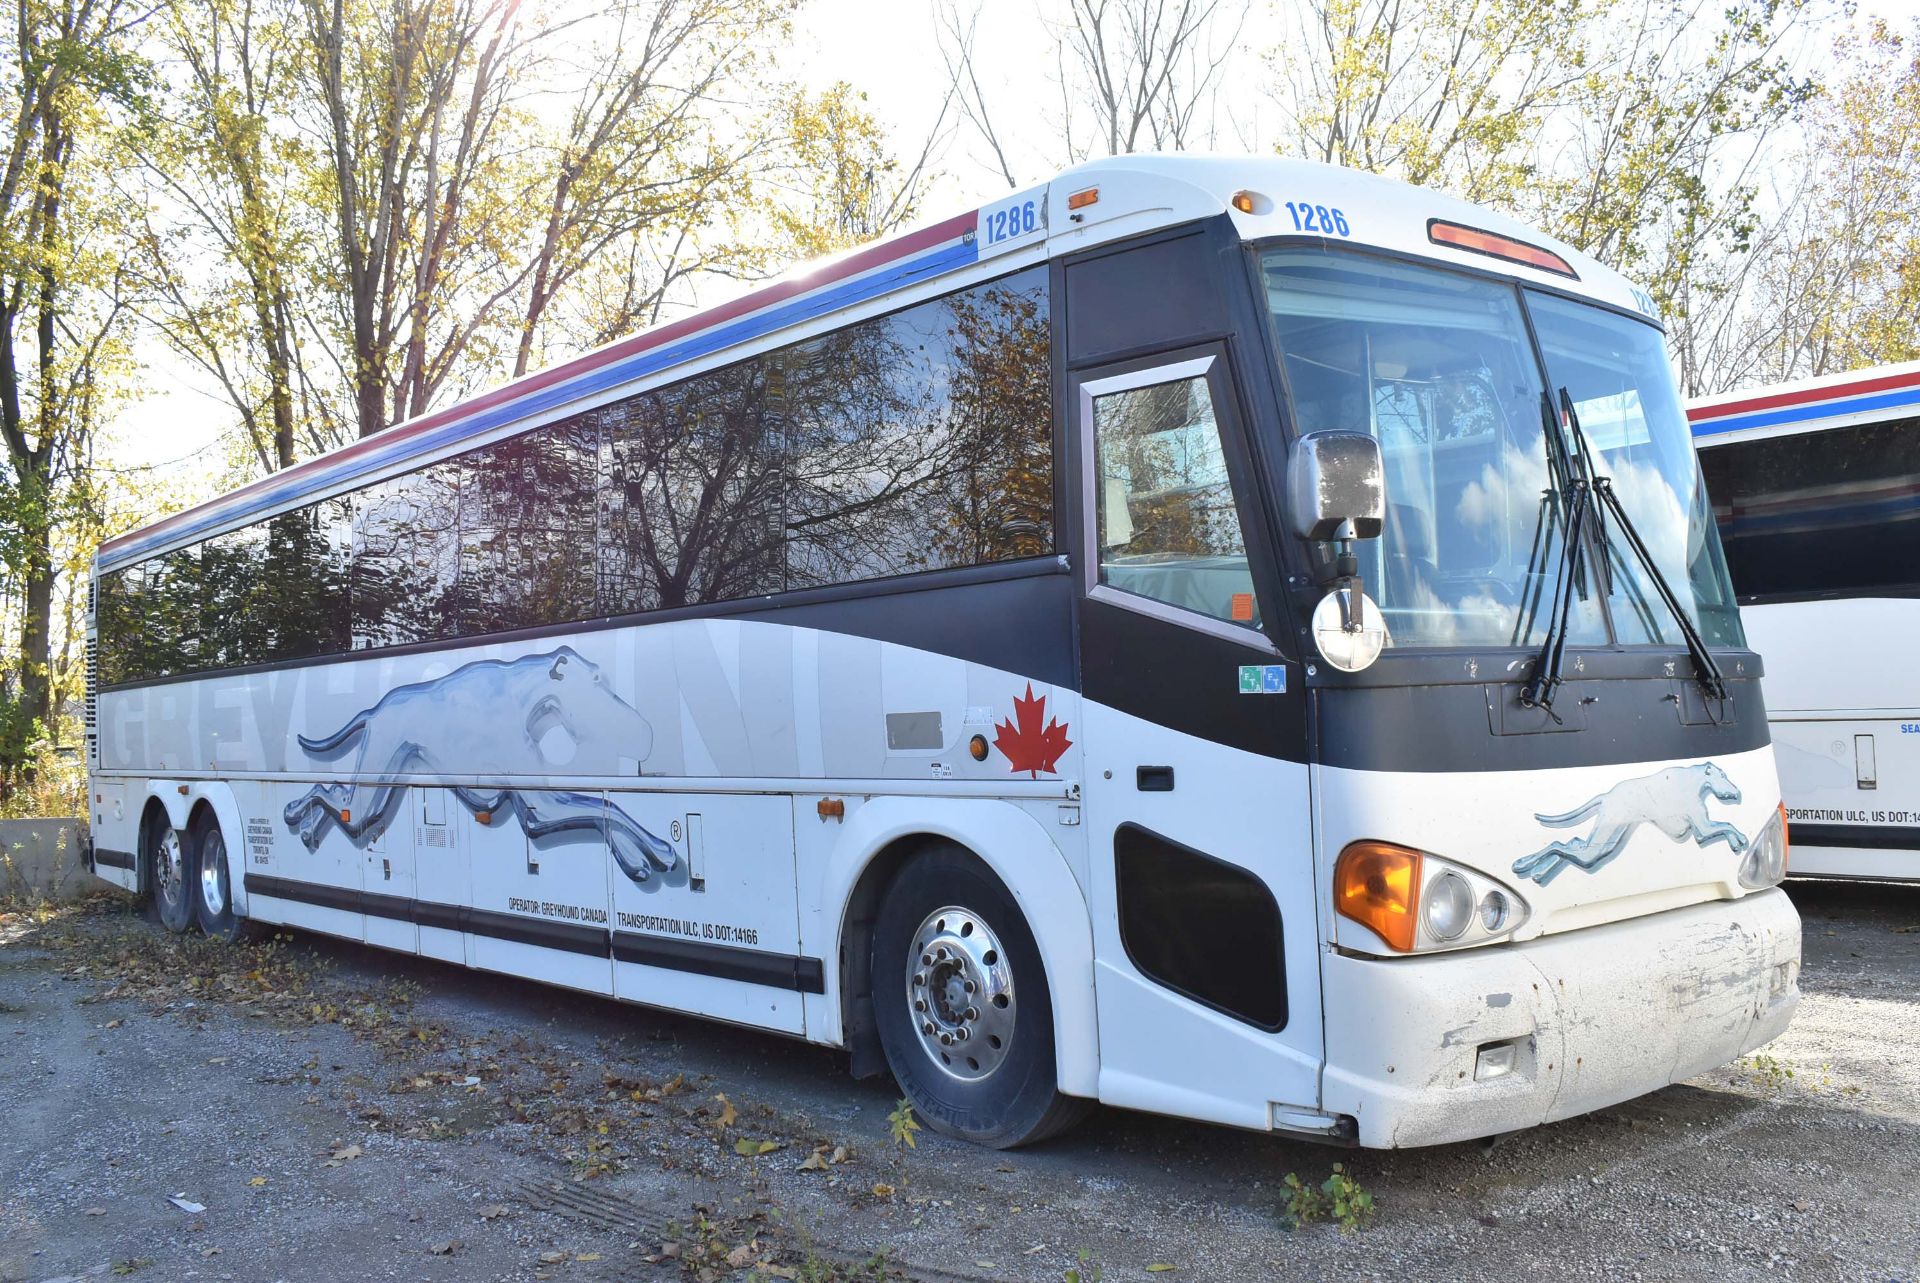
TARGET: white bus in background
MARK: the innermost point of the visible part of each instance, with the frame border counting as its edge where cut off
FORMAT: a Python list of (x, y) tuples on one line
[(1816, 489), (1229, 637)]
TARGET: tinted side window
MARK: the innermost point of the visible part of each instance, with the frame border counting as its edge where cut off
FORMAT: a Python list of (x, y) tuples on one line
[(231, 587), (170, 632), (692, 492), (527, 530), (405, 555), (304, 596), (1820, 514), (118, 610), (921, 440)]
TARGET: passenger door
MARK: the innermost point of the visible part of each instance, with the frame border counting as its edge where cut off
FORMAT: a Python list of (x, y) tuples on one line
[(1199, 831)]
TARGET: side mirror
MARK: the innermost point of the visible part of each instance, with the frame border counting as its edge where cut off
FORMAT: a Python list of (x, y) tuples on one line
[(1336, 486)]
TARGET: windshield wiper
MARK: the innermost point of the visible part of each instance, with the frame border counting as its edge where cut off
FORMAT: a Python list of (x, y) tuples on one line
[(1705, 670), (1568, 491)]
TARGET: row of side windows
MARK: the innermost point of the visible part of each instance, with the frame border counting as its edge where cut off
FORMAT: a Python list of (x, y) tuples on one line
[(916, 441)]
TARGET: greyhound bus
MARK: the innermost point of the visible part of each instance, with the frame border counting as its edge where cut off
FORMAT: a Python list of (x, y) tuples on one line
[(1229, 637), (1816, 488)]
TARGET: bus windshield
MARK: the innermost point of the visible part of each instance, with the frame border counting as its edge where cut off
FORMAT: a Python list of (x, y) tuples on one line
[(1438, 366)]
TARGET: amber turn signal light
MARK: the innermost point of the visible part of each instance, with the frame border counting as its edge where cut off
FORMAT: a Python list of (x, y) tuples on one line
[(1377, 884), (1786, 842)]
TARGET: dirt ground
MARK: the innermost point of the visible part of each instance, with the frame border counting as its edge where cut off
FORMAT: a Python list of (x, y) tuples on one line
[(321, 1111)]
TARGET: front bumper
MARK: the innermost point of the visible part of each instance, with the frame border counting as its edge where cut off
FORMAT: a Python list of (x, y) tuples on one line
[(1595, 1017)]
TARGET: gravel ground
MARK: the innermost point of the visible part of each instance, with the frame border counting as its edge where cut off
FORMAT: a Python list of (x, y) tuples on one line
[(330, 1112)]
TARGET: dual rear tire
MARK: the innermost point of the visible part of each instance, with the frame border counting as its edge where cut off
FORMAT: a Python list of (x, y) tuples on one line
[(962, 1007), (189, 881)]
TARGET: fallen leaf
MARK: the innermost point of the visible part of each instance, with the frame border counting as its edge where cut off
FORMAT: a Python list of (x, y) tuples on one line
[(671, 1251), (985, 1265), (741, 1256), (816, 1161), (1161, 1268), (587, 1256), (257, 1181), (345, 1154), (447, 1248), (728, 1114), (883, 1190), (209, 1252), (186, 1204), (552, 1258), (493, 1211), (754, 1148), (840, 1154), (1802, 1205), (111, 1024)]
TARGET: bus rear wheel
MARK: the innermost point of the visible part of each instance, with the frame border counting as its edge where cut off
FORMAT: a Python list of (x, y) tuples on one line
[(212, 889), (961, 1003), (168, 862)]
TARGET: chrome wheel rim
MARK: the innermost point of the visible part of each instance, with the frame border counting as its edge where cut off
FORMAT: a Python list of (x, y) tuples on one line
[(213, 873), (169, 866), (960, 994)]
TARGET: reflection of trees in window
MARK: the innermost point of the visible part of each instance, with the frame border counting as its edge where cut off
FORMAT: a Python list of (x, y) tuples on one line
[(304, 588), (1000, 502), (231, 584), (405, 555), (527, 530), (1160, 453), (922, 439), (690, 496), (173, 594), (118, 611)]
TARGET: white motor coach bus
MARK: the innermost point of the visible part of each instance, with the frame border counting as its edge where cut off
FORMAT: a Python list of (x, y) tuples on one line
[(1228, 637), (1816, 488)]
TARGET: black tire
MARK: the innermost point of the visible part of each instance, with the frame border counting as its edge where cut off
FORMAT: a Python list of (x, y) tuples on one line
[(211, 886), (1008, 1094), (167, 867)]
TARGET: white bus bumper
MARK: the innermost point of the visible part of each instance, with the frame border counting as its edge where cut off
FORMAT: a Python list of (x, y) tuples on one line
[(1593, 1017)]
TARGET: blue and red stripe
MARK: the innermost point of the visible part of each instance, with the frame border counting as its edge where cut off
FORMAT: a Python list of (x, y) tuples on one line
[(865, 274), (1804, 405)]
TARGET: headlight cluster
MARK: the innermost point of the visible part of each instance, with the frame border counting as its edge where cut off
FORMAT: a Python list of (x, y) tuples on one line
[(1765, 862), (1414, 900)]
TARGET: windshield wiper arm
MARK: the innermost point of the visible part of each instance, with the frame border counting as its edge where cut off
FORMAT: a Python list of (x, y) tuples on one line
[(1705, 670), (1571, 486)]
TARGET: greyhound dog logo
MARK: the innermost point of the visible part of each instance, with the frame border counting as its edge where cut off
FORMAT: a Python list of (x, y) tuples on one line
[(1673, 801), (492, 717)]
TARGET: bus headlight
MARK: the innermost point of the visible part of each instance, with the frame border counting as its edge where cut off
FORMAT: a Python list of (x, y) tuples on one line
[(1415, 901), (1448, 903), (1765, 862)]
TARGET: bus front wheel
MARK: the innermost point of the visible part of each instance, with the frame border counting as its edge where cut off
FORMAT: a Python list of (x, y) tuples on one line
[(961, 1003), (168, 870)]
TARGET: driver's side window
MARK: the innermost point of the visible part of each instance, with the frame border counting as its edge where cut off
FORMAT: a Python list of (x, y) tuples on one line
[(1166, 521)]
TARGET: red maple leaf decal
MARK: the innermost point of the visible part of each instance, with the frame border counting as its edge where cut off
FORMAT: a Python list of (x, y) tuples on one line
[(1027, 747)]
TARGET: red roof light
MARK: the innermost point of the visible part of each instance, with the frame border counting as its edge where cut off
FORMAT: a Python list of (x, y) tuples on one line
[(1494, 245)]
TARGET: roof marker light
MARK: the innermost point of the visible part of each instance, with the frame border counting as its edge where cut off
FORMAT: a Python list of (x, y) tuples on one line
[(1246, 202), (1494, 245), (1083, 198)]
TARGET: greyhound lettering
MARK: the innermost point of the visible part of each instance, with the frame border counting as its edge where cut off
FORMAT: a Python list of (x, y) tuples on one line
[(490, 717), (1673, 801)]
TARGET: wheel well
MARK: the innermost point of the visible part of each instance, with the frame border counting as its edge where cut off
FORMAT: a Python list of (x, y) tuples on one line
[(856, 946), (203, 813), (143, 860)]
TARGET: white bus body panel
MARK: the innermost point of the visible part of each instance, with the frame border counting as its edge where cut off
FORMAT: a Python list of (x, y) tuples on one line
[(1846, 731), (1597, 1017), (1162, 1051)]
